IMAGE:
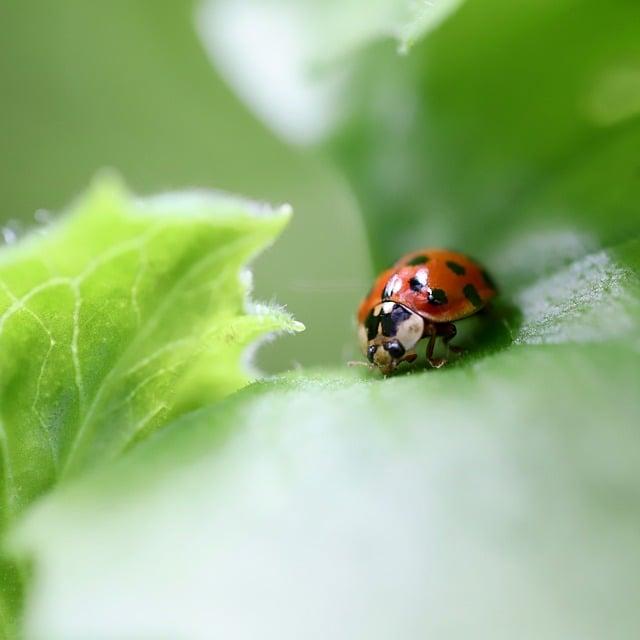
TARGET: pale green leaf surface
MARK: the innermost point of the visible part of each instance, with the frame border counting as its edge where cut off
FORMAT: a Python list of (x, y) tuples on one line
[(470, 501), (122, 316)]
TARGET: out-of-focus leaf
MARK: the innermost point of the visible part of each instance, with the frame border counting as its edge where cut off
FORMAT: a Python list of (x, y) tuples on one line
[(290, 60), (495, 497)]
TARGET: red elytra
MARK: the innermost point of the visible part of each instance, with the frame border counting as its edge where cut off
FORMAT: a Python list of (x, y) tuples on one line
[(465, 284)]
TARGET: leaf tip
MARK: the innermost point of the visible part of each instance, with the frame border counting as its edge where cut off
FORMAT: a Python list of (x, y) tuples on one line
[(108, 183), (285, 210), (297, 326)]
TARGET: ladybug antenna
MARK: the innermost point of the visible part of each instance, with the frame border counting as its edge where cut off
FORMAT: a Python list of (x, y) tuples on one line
[(360, 363)]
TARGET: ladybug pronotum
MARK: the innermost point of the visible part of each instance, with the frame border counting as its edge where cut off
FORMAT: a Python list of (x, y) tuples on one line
[(421, 296)]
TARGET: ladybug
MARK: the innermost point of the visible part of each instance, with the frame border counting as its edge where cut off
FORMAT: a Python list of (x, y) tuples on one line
[(421, 296)]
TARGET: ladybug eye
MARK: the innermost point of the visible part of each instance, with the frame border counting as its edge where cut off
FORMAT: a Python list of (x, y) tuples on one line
[(371, 351), (395, 349)]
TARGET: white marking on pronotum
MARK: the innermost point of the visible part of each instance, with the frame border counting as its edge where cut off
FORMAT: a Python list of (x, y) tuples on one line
[(410, 331)]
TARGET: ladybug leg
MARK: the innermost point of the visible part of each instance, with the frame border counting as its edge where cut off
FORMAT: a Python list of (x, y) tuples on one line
[(448, 332), (436, 363)]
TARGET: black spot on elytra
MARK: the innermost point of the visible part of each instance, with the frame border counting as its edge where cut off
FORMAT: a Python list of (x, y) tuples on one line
[(488, 280), (416, 285), (458, 269), (421, 259), (471, 293), (437, 296)]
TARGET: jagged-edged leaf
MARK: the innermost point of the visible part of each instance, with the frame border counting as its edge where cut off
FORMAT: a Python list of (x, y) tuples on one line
[(123, 315)]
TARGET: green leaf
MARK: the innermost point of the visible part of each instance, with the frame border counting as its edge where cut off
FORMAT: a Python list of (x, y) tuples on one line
[(475, 500), (126, 314)]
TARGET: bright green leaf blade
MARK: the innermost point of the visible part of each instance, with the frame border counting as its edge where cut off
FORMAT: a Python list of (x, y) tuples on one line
[(127, 313), (481, 500)]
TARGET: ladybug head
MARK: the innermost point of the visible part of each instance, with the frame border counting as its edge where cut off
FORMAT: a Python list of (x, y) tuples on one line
[(387, 354), (388, 335)]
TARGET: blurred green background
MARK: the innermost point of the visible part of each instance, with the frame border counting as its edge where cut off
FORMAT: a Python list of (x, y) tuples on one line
[(508, 130), (127, 84)]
